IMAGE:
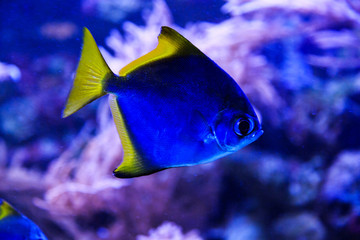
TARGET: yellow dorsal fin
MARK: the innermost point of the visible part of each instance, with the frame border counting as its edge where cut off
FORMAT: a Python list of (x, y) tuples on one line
[(131, 165), (171, 43)]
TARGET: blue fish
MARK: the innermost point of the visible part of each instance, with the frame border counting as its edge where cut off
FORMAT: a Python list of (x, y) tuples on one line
[(15, 226), (173, 107)]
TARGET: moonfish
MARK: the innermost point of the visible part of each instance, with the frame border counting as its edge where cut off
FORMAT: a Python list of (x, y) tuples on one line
[(15, 226), (172, 107)]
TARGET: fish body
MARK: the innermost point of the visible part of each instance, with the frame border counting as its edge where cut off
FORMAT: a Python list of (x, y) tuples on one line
[(173, 107), (15, 226)]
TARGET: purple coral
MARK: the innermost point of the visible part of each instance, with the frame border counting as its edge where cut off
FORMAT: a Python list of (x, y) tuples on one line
[(341, 194), (299, 64), (299, 226), (170, 231)]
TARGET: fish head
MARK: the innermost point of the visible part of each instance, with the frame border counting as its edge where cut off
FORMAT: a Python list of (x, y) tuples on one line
[(234, 129)]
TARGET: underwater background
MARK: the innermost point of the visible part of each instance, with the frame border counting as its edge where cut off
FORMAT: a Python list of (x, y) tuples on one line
[(297, 61)]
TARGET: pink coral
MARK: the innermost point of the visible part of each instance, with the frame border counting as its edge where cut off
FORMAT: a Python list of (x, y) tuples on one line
[(169, 231), (9, 71), (337, 9), (79, 195)]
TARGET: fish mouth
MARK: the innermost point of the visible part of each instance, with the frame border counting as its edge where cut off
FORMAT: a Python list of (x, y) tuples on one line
[(257, 134), (244, 142)]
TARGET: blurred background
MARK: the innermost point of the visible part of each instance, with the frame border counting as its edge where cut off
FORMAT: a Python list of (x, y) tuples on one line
[(299, 64)]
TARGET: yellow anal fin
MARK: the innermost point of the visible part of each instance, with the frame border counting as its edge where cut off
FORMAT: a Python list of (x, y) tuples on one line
[(6, 210), (171, 44), (131, 165)]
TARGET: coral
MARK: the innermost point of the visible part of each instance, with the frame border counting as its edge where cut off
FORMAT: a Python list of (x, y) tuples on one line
[(340, 192), (299, 226), (305, 181), (310, 29), (81, 195), (297, 182), (114, 11), (137, 40), (243, 228), (169, 231), (16, 119), (299, 65), (58, 30), (334, 9), (9, 71)]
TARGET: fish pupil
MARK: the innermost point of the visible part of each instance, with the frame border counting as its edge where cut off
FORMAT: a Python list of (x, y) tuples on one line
[(244, 127)]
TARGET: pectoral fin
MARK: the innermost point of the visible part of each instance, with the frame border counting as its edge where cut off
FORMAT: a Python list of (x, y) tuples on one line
[(200, 127)]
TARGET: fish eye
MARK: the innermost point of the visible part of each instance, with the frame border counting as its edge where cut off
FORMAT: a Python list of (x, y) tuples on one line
[(243, 126)]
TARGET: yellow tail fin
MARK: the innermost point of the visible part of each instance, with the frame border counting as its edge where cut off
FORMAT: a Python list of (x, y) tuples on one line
[(91, 75)]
